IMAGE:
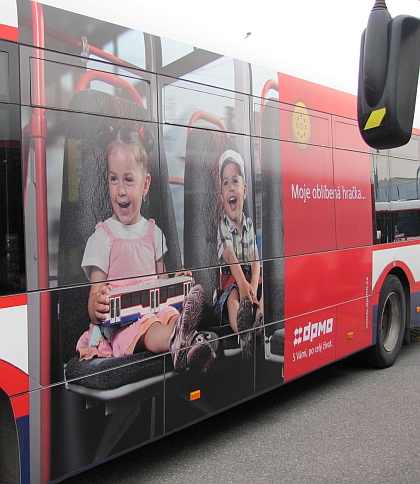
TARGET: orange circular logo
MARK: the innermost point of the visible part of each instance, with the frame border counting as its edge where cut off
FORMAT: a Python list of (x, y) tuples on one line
[(301, 125)]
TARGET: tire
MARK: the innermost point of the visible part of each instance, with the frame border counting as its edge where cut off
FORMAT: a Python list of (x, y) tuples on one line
[(390, 324)]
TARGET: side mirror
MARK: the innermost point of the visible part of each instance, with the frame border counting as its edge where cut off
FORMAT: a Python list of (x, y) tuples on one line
[(388, 77)]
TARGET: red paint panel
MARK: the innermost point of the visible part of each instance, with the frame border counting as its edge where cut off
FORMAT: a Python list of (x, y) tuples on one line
[(8, 33), (352, 181), (326, 170), (309, 215), (354, 326), (321, 98), (20, 405), (327, 279), (15, 382), (309, 343), (13, 301), (308, 218)]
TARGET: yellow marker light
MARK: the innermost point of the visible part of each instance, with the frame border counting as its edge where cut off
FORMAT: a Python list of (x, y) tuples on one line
[(350, 335), (195, 395), (375, 118), (417, 309)]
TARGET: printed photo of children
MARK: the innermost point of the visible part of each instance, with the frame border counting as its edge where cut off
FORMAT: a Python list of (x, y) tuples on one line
[(241, 301), (129, 249)]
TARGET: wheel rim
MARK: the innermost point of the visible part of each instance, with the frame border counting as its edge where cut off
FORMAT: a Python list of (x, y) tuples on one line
[(391, 322)]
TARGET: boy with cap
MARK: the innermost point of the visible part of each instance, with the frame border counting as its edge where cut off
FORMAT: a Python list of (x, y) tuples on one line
[(237, 247)]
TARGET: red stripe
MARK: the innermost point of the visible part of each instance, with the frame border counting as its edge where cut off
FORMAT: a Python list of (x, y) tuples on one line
[(20, 405), (14, 382), (8, 33), (13, 301), (388, 268)]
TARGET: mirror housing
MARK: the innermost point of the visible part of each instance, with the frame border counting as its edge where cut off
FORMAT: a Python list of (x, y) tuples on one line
[(388, 77)]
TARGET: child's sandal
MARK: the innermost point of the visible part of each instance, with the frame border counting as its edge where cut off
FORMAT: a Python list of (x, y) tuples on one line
[(185, 328), (200, 356), (244, 323)]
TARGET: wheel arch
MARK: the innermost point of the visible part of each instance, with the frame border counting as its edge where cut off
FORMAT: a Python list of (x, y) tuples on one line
[(391, 296), (399, 272)]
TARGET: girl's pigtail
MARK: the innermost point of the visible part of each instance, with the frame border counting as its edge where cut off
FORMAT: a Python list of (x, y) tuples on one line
[(106, 134), (147, 139)]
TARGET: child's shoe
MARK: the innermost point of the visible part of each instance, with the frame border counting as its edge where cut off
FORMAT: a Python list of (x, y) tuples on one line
[(244, 322), (200, 356), (184, 329)]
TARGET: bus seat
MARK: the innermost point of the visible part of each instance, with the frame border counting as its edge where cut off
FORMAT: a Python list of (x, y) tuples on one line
[(201, 191), (85, 202)]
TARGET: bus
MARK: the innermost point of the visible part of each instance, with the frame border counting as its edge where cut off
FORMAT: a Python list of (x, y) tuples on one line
[(336, 231)]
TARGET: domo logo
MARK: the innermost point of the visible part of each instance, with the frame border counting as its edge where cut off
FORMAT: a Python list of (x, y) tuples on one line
[(312, 331)]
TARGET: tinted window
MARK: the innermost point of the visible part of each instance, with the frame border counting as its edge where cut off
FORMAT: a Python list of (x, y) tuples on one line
[(12, 252)]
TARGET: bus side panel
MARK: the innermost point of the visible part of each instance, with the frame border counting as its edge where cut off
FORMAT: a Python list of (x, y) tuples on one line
[(326, 280), (310, 342), (355, 325), (308, 178), (353, 204), (415, 304)]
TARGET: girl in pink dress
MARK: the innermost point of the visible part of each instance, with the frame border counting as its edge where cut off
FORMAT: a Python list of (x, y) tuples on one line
[(129, 247)]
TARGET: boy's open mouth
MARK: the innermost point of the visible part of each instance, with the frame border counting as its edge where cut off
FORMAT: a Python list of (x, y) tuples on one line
[(232, 201), (124, 205)]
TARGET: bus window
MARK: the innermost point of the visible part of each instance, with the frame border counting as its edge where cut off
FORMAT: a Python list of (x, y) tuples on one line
[(12, 255), (67, 73), (409, 151), (172, 290), (172, 51), (163, 294), (145, 298), (382, 230), (126, 301), (135, 298), (405, 198), (4, 76)]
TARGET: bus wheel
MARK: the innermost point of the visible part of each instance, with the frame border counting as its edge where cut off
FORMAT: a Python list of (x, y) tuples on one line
[(390, 324)]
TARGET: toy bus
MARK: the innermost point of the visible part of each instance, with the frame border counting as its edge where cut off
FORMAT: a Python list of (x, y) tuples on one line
[(130, 303)]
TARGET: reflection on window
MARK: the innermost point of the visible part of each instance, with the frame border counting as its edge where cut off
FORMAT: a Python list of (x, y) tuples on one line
[(404, 182), (405, 193), (380, 178)]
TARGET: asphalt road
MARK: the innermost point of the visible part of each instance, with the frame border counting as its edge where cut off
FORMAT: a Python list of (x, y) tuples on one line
[(341, 424)]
